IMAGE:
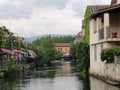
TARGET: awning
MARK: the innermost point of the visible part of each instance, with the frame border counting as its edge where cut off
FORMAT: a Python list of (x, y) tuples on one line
[(6, 51), (17, 52)]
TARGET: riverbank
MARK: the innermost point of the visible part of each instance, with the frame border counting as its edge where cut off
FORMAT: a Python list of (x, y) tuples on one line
[(106, 80), (22, 69)]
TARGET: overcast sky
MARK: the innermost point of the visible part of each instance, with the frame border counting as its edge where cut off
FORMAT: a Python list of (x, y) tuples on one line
[(37, 17)]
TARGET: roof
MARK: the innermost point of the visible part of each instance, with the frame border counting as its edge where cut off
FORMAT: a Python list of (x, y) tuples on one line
[(62, 44), (108, 8), (95, 8), (113, 2)]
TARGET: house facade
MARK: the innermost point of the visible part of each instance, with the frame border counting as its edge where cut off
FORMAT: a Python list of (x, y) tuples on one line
[(105, 33), (63, 47)]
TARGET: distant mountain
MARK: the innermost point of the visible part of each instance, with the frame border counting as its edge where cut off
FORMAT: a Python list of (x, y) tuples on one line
[(31, 39)]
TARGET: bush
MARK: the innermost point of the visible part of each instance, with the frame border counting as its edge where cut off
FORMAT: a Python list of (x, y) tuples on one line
[(58, 55), (12, 67), (108, 55), (117, 51)]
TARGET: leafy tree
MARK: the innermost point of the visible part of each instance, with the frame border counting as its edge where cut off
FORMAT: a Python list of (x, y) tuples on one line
[(63, 39), (1, 36), (80, 52), (12, 67), (45, 50), (73, 51), (58, 55)]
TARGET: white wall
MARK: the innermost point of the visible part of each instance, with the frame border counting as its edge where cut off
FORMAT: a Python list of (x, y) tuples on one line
[(118, 1)]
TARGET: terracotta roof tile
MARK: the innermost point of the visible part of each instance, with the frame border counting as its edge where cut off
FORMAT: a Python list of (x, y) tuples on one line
[(109, 6), (62, 44)]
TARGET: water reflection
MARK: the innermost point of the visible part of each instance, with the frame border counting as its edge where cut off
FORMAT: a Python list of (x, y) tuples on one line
[(60, 78)]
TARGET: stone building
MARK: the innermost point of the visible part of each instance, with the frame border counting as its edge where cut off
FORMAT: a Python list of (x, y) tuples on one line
[(103, 24)]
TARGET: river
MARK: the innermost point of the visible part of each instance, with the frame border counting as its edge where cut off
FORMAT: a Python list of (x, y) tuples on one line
[(60, 78)]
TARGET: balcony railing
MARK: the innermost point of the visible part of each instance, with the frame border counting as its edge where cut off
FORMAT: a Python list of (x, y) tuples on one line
[(107, 32), (101, 34), (111, 35)]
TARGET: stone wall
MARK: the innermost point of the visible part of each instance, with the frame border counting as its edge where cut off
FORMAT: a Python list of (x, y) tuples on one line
[(109, 71)]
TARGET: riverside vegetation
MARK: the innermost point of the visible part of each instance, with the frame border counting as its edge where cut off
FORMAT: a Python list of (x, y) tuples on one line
[(45, 49)]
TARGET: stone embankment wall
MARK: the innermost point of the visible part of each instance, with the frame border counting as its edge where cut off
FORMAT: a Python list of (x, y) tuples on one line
[(108, 71)]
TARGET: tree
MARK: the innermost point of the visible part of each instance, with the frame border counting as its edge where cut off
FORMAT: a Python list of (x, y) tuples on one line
[(45, 50), (49, 47), (1, 37), (58, 55), (80, 51), (73, 51)]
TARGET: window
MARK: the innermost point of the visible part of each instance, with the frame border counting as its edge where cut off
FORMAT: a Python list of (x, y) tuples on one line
[(95, 29), (95, 53)]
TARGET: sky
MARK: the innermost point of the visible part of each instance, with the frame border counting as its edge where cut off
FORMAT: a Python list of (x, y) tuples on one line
[(28, 18)]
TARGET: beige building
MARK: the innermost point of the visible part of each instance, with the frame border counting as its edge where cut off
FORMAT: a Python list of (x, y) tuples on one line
[(63, 47), (105, 33)]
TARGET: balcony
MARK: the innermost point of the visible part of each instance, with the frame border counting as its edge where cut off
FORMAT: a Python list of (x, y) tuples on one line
[(111, 35)]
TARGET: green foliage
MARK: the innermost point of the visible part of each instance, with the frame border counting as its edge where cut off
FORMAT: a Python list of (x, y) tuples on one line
[(45, 50), (63, 39), (108, 54), (73, 51), (41, 58), (1, 36), (81, 54), (11, 42), (87, 26), (12, 67), (116, 51), (58, 55)]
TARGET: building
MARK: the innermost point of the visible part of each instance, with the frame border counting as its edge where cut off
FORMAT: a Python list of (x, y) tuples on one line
[(80, 36), (6, 31), (105, 33), (20, 39), (63, 47)]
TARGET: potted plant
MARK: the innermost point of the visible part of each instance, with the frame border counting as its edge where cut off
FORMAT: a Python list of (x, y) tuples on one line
[(114, 34)]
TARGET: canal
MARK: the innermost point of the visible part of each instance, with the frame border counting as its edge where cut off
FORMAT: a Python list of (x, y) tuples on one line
[(60, 78)]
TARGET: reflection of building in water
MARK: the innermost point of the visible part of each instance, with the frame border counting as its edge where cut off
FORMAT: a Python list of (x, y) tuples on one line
[(96, 84), (66, 68)]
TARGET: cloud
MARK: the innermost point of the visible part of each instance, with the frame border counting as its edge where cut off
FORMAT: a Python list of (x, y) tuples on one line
[(46, 21), (15, 9), (36, 17)]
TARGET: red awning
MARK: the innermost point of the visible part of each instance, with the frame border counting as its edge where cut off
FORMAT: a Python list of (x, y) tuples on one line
[(8, 52), (17, 52)]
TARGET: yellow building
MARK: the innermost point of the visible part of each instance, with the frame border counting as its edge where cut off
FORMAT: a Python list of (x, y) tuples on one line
[(63, 47)]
